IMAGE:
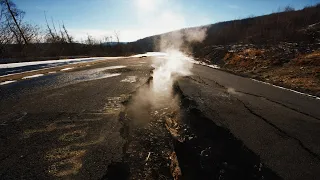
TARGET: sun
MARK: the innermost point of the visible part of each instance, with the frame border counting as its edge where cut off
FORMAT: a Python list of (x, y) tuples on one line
[(147, 5)]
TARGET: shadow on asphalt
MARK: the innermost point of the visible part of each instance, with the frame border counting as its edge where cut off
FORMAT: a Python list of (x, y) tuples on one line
[(214, 153), (203, 149)]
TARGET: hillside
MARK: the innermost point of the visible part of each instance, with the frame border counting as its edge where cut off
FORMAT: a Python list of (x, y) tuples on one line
[(281, 48)]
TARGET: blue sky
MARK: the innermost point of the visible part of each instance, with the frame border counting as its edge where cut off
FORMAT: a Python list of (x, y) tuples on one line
[(135, 19)]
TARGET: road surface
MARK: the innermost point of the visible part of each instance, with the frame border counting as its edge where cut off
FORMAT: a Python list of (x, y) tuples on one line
[(81, 124)]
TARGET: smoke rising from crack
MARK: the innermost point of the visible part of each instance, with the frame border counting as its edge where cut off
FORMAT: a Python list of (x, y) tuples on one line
[(176, 63), (164, 15)]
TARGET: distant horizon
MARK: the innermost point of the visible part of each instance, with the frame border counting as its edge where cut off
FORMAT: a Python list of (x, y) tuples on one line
[(138, 19)]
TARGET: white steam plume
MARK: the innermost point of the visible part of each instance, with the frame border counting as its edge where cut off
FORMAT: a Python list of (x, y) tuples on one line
[(177, 63)]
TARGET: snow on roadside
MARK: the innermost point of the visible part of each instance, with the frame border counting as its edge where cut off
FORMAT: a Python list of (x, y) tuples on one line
[(66, 69), (148, 54), (24, 72), (113, 67), (305, 94), (6, 82), (217, 67), (32, 76), (214, 66), (68, 61), (22, 64)]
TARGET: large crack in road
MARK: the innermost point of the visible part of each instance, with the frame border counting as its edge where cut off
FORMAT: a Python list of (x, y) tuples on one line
[(180, 142)]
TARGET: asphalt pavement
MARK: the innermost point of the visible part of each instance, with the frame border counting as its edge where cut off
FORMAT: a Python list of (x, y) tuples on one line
[(76, 124), (278, 125)]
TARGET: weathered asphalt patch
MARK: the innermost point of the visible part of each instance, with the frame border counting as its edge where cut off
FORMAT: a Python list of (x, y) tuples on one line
[(130, 79)]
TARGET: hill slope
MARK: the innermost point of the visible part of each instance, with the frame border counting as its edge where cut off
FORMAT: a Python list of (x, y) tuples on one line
[(281, 48)]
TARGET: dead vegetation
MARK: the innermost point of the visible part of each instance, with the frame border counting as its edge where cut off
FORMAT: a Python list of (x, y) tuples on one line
[(24, 41), (301, 72), (281, 48)]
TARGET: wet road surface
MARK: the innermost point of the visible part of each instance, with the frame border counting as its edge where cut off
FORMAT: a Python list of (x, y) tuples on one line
[(79, 125), (11, 68)]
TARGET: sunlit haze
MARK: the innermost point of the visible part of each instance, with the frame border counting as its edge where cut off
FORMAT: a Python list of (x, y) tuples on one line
[(135, 19)]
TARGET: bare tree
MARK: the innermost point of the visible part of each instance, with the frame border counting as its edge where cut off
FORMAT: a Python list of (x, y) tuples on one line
[(14, 17), (54, 27), (31, 32), (107, 39), (89, 40), (116, 35), (288, 9), (67, 34), (5, 32), (50, 33), (61, 33)]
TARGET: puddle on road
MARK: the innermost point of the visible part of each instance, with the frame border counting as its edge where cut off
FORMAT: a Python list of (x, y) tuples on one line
[(94, 74)]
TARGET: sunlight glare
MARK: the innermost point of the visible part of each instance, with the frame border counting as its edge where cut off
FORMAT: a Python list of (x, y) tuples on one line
[(147, 5)]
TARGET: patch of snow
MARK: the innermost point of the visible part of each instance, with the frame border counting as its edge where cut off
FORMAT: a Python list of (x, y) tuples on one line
[(6, 82), (130, 79), (109, 75), (22, 64), (305, 94), (23, 72), (114, 67), (47, 62), (32, 76), (66, 69), (152, 54), (52, 72), (312, 25), (118, 57), (214, 66)]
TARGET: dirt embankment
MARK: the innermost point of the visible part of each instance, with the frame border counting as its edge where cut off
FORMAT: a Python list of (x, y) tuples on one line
[(292, 65)]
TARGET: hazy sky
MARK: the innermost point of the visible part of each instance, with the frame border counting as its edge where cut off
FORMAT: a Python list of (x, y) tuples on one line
[(135, 19)]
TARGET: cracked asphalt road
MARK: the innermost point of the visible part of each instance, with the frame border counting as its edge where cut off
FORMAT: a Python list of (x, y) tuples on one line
[(70, 124), (66, 125), (280, 126)]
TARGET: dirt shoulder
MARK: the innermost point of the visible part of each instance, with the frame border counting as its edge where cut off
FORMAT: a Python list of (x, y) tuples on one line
[(301, 73), (291, 65)]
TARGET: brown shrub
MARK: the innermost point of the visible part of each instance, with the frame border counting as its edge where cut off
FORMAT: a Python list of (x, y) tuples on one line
[(312, 59)]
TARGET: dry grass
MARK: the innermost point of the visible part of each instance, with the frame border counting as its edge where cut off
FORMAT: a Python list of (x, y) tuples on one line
[(245, 58), (174, 166), (296, 77), (302, 72), (252, 52), (312, 59)]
